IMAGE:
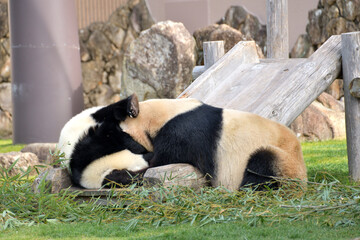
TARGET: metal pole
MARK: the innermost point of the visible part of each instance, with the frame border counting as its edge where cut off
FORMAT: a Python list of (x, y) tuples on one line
[(46, 70)]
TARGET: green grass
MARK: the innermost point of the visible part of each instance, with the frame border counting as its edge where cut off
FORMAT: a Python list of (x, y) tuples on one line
[(328, 209), (7, 146)]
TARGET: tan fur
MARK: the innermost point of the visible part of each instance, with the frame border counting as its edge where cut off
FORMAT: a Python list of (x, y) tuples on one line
[(95, 173), (242, 134), (239, 128), (153, 115)]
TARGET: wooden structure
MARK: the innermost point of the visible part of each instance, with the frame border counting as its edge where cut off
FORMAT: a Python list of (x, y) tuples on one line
[(279, 88), (351, 73)]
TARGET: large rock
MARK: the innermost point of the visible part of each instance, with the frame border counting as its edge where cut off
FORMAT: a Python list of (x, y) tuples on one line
[(175, 174), (217, 32), (24, 161), (160, 61), (52, 180), (324, 119), (302, 48), (238, 18), (46, 152)]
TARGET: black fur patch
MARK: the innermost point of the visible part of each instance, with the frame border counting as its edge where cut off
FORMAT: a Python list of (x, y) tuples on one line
[(105, 139), (120, 178), (190, 137), (260, 170)]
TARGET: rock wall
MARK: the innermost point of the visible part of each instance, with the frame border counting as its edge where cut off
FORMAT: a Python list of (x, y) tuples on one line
[(103, 46), (5, 85)]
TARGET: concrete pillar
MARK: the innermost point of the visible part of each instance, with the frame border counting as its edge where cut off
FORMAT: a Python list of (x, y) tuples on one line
[(46, 70)]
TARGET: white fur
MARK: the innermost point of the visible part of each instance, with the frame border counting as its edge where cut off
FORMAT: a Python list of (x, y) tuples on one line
[(94, 174), (74, 129)]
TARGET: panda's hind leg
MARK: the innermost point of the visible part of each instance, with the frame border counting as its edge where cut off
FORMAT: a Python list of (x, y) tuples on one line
[(259, 171), (120, 178)]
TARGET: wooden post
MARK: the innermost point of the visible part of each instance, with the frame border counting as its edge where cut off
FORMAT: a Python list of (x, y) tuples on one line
[(213, 51), (277, 45), (350, 50)]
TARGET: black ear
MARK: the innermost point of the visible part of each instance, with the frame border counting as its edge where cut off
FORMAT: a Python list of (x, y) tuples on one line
[(132, 109)]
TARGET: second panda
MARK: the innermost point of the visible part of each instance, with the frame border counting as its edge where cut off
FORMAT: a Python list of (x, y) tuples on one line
[(235, 148)]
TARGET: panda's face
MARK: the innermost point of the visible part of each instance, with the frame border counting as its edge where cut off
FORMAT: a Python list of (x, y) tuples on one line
[(75, 129), (97, 121)]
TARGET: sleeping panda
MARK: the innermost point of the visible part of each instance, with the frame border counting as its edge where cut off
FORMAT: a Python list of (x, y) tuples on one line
[(235, 148), (100, 153)]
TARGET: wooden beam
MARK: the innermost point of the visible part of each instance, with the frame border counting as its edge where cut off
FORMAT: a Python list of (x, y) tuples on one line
[(242, 52), (278, 89), (350, 51), (277, 29)]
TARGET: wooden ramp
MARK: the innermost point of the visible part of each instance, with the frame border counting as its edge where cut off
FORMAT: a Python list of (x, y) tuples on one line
[(275, 89)]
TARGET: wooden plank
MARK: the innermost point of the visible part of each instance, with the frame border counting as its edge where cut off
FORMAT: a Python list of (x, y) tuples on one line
[(275, 89), (213, 51), (247, 83), (351, 71), (242, 52), (277, 29), (293, 88)]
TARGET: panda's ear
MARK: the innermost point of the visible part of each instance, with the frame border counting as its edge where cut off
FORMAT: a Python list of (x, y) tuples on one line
[(133, 106)]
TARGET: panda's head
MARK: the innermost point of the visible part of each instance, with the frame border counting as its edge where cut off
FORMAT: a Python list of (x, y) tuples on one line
[(100, 124)]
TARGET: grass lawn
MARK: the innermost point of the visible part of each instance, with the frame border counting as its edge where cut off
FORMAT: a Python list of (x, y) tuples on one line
[(328, 209)]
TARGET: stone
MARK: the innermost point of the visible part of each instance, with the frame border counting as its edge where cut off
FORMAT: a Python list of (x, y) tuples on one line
[(46, 152), (5, 125), (333, 12), (314, 27), (52, 180), (5, 68), (312, 125), (217, 32), (336, 26), (302, 48), (4, 22), (92, 74), (336, 89), (102, 95), (163, 58), (249, 25), (24, 161), (336, 120), (84, 52), (175, 175), (115, 34), (99, 46), (330, 102), (140, 17), (5, 97), (120, 17)]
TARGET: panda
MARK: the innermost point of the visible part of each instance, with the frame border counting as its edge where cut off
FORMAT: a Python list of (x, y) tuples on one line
[(235, 148), (99, 153)]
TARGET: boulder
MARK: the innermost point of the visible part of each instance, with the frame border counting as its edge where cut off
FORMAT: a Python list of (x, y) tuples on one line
[(24, 161), (312, 125), (46, 152), (159, 62), (52, 180), (217, 32), (336, 89), (324, 119), (249, 25), (302, 48), (175, 174)]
